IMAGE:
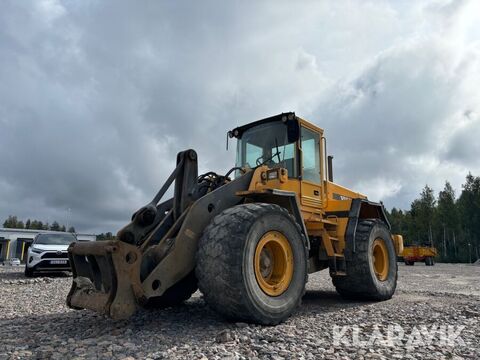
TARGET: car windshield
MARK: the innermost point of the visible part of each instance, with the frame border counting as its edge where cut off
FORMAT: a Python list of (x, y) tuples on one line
[(267, 144), (55, 239)]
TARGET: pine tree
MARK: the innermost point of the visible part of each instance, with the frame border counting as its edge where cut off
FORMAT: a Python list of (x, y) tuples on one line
[(469, 210), (11, 222), (447, 222), (423, 211), (55, 226)]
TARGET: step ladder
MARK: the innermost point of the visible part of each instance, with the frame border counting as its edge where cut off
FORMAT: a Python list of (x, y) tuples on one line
[(337, 262)]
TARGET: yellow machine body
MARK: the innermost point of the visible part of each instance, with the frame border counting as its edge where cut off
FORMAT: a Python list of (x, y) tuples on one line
[(325, 206)]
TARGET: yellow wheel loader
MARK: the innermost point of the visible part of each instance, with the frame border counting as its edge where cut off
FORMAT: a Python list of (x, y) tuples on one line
[(247, 239)]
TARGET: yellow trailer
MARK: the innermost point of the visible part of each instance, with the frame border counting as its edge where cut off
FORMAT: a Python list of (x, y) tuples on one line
[(412, 254)]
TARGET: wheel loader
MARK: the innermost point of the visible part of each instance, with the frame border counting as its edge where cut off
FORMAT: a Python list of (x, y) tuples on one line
[(247, 239)]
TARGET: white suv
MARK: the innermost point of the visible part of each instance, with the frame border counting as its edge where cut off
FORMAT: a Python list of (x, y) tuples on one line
[(48, 252)]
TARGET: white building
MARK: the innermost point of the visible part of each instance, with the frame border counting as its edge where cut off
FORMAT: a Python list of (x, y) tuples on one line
[(15, 242)]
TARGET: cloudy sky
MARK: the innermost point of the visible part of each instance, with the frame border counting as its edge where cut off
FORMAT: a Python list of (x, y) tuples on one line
[(97, 97)]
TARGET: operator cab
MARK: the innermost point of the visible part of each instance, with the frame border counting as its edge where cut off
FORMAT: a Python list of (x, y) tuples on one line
[(277, 142)]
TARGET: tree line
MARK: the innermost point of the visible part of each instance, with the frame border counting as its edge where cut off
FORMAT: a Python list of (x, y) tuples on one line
[(106, 236), (12, 222), (448, 222)]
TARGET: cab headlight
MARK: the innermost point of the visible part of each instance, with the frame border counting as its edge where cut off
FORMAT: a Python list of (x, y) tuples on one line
[(36, 251)]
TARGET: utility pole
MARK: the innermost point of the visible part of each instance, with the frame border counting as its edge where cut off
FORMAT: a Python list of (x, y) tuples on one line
[(469, 253)]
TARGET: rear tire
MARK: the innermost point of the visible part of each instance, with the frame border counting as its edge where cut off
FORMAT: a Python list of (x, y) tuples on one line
[(176, 294), (366, 278), (228, 263)]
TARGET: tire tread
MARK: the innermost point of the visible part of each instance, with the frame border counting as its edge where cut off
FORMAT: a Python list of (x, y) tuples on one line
[(219, 268)]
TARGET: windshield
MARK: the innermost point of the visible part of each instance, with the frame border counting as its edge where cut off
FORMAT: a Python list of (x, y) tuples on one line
[(55, 239), (267, 144)]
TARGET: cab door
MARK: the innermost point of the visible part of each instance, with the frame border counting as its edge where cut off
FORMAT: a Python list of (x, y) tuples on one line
[(311, 184)]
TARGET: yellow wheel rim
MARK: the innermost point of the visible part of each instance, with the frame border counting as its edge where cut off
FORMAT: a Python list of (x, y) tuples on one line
[(380, 259), (273, 263)]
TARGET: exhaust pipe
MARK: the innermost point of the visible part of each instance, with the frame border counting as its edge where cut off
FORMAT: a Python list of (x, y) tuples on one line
[(330, 168)]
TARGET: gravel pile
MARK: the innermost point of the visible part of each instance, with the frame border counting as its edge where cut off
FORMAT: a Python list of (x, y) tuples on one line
[(35, 323)]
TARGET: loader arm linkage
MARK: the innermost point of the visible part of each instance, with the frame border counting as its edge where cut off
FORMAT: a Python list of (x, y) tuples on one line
[(114, 277)]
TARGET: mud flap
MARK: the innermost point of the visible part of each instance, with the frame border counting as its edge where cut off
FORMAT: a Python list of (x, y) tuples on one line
[(106, 278)]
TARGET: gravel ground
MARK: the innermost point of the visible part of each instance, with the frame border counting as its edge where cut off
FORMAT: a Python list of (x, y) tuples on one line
[(35, 323)]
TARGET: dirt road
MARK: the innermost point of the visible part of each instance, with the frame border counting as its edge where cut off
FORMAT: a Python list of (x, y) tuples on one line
[(435, 314)]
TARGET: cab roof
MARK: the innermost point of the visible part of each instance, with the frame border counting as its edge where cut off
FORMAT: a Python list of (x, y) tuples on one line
[(284, 117)]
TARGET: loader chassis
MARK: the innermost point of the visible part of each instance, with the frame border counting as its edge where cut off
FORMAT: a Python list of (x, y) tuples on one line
[(257, 234)]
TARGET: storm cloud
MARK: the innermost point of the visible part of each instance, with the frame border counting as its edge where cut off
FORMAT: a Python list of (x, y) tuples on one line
[(96, 98)]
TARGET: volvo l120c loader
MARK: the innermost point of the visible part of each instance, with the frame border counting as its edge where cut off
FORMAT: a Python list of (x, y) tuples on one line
[(247, 239)]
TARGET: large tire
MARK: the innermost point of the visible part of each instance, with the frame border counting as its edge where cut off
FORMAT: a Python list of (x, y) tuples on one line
[(362, 281), (227, 260), (176, 294)]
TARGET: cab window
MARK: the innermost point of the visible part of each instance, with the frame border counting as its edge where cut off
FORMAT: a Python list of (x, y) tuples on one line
[(268, 144), (253, 153), (311, 155)]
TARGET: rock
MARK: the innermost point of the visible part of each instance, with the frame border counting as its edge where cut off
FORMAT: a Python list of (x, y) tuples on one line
[(224, 337)]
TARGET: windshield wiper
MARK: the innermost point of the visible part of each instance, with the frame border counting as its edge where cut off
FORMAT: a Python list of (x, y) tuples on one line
[(277, 153)]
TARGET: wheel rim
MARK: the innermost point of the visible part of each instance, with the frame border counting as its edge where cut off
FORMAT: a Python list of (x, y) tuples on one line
[(273, 263), (380, 259)]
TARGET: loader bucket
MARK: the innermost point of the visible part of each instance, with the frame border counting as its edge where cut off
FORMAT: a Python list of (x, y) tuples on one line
[(106, 277)]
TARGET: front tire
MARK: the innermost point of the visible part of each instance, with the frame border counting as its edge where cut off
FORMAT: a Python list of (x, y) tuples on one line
[(372, 272), (252, 263), (28, 272)]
